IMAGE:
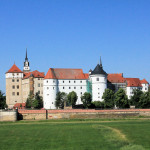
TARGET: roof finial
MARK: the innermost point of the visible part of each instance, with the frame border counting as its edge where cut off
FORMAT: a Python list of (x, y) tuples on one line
[(14, 62), (100, 62), (26, 55)]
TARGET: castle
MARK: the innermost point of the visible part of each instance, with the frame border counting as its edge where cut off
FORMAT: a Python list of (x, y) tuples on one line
[(19, 84)]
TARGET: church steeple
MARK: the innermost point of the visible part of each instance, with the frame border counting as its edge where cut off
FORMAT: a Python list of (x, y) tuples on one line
[(26, 64)]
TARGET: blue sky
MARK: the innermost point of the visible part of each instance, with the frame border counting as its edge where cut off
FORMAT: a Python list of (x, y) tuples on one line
[(74, 34)]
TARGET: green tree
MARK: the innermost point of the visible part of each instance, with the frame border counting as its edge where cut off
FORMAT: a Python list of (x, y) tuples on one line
[(72, 98), (61, 98), (86, 98), (108, 97), (38, 101), (144, 101), (98, 104), (29, 101), (2, 101), (121, 99), (135, 99), (34, 101)]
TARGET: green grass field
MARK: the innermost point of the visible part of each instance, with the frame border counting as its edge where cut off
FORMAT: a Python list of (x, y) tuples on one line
[(76, 135)]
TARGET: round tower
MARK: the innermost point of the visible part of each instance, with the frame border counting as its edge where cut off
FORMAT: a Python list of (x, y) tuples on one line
[(50, 89), (98, 79)]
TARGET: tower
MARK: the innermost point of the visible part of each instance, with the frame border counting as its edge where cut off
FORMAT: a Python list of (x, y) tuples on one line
[(98, 79), (26, 67), (14, 78)]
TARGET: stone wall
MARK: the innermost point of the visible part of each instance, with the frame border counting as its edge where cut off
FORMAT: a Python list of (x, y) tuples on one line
[(81, 114), (8, 115)]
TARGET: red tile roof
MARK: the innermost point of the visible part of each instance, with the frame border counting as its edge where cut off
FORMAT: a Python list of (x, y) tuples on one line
[(133, 82), (18, 105), (116, 78), (144, 81), (36, 74), (14, 69), (54, 73)]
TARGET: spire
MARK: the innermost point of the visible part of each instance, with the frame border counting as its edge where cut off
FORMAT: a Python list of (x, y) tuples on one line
[(99, 69), (26, 55), (100, 62)]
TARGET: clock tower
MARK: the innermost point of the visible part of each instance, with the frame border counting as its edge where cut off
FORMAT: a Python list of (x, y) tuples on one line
[(26, 67)]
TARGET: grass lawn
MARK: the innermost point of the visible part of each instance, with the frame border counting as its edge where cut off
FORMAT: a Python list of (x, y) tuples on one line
[(76, 135)]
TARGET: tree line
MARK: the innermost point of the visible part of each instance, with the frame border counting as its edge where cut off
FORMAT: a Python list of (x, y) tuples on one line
[(111, 99)]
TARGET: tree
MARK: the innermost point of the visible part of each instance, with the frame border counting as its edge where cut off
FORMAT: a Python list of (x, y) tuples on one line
[(98, 104), (38, 101), (144, 101), (135, 99), (2, 101), (86, 98), (35, 102), (29, 101), (108, 97), (61, 98), (121, 99), (72, 98)]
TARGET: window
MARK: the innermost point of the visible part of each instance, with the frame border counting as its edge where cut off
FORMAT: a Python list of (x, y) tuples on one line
[(69, 81), (69, 87), (74, 81), (17, 86), (13, 80), (63, 81), (53, 81), (97, 79), (38, 78), (47, 88), (13, 93), (13, 74), (81, 93), (17, 93), (17, 74), (145, 88), (38, 84), (81, 87), (38, 92), (17, 80), (53, 88), (47, 94), (74, 87), (63, 87), (41, 84), (80, 81), (47, 81), (13, 87)]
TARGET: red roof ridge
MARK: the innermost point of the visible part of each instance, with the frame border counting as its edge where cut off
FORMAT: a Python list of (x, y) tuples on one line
[(65, 73), (133, 82), (14, 69), (144, 81), (35, 73)]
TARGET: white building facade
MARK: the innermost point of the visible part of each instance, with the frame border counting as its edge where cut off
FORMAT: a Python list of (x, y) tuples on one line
[(63, 80), (68, 80)]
